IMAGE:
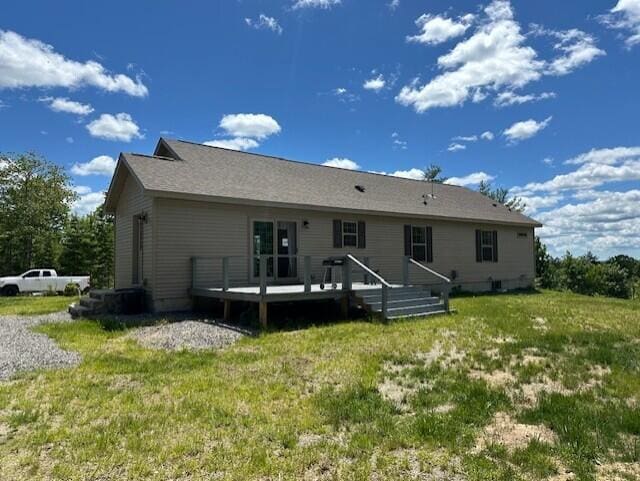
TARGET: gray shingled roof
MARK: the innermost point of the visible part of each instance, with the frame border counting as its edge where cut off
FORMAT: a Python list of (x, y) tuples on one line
[(204, 171)]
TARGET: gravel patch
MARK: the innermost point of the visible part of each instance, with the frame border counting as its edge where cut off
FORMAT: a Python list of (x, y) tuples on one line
[(188, 334), (21, 349)]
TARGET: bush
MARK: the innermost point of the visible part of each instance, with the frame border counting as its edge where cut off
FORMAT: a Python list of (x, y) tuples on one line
[(71, 290)]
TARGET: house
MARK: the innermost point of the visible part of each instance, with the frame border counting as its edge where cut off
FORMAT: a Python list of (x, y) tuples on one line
[(239, 212)]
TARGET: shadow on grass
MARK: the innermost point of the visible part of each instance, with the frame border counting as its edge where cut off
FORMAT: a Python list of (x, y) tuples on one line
[(516, 292)]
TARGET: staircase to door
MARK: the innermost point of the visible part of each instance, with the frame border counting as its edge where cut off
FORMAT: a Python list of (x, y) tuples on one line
[(410, 301)]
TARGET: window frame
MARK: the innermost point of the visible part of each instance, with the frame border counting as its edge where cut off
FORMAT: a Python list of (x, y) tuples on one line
[(346, 234), (423, 229), (484, 234)]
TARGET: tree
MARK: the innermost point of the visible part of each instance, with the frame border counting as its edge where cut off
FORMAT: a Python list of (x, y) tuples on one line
[(35, 198), (101, 226), (432, 174), (545, 265), (77, 247), (500, 194)]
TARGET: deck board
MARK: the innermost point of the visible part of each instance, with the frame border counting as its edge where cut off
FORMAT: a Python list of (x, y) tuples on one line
[(280, 293)]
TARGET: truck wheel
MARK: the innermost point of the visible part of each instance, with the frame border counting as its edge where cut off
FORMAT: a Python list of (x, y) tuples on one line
[(10, 291)]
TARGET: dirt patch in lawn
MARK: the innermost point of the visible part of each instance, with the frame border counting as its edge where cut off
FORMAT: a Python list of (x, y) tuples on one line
[(495, 379), (506, 431), (618, 472)]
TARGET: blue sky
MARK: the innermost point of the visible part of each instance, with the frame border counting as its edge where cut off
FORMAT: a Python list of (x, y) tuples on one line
[(541, 97)]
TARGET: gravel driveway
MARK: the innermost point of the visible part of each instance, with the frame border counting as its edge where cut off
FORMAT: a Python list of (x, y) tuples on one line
[(21, 349)]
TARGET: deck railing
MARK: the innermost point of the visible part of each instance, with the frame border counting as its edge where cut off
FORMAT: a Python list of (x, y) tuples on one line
[(225, 272)]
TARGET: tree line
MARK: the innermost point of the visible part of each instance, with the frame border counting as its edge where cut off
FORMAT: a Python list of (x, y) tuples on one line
[(618, 276), (38, 228)]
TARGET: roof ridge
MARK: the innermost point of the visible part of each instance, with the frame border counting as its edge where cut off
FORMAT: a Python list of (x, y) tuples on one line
[(256, 154)]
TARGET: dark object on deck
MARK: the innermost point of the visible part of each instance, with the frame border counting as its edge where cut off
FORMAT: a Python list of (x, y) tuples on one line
[(329, 263)]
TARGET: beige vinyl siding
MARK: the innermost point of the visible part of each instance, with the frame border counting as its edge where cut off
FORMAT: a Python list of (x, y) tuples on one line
[(187, 228), (132, 202)]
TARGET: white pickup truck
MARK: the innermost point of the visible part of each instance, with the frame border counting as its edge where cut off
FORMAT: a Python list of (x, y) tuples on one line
[(40, 280)]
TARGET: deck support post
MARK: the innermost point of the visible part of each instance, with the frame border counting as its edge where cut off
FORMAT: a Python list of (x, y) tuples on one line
[(344, 306), (227, 310), (385, 301), (225, 273), (263, 275), (346, 275), (307, 273), (405, 270), (445, 297), (194, 264), (263, 311)]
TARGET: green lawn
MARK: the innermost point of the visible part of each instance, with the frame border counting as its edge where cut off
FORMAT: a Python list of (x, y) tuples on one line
[(529, 386), (24, 305)]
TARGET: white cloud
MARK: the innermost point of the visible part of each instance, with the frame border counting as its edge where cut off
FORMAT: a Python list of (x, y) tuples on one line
[(115, 127), (548, 161), (28, 62), (256, 126), (81, 189), (315, 4), (596, 167), (578, 48), (237, 143), (508, 98), (534, 203), (393, 4), (344, 95), (487, 135), (466, 138), (495, 58), (607, 223), (69, 140), (63, 104), (264, 22), (245, 130), (606, 156), (437, 29), (456, 147), (416, 174), (625, 16), (525, 129), (342, 163), (472, 179), (101, 165), (376, 83), (87, 201)]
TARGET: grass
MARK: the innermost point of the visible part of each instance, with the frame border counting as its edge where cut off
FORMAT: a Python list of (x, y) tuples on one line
[(343, 401), (33, 305)]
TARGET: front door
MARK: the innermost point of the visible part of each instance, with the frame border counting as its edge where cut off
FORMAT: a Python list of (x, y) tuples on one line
[(278, 240)]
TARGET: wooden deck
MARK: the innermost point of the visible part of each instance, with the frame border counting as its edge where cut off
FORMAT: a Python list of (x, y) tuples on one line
[(280, 293)]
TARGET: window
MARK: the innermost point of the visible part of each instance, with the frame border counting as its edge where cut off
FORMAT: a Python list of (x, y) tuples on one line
[(522, 235), (46, 273), (349, 234), (32, 274), (418, 242), (486, 246)]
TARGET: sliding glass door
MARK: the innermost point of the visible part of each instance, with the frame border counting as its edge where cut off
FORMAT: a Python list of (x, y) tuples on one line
[(279, 241)]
